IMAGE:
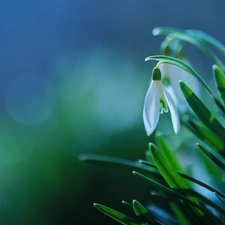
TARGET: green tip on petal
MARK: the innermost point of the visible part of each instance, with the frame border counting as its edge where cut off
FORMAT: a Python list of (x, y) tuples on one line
[(156, 74)]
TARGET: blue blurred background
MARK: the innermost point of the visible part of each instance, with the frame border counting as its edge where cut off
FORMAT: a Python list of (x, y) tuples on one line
[(72, 81)]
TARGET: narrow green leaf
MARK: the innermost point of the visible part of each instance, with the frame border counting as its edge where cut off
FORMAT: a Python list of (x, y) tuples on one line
[(144, 215), (119, 163), (165, 30), (208, 39), (220, 198), (220, 81), (206, 135), (167, 151), (182, 35), (201, 111), (170, 192), (121, 218), (105, 160), (207, 201), (175, 196), (179, 213), (139, 209), (185, 176), (176, 62), (158, 185), (126, 203), (171, 176), (219, 161), (163, 59), (111, 161), (166, 169), (192, 179)]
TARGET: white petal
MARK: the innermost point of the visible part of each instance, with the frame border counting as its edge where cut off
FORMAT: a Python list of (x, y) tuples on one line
[(151, 109), (160, 89), (165, 70), (173, 111), (177, 74)]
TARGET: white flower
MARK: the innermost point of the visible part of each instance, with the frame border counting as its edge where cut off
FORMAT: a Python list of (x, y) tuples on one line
[(173, 74), (156, 101)]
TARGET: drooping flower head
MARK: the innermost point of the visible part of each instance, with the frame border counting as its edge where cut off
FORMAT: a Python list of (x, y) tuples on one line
[(157, 101)]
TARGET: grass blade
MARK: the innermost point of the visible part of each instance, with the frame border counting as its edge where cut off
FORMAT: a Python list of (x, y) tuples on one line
[(206, 135), (174, 180), (192, 179), (220, 81), (168, 191), (167, 151), (220, 198), (208, 39), (121, 218), (215, 158), (169, 173), (182, 35), (175, 196), (201, 111), (103, 160), (144, 215), (119, 163), (127, 204)]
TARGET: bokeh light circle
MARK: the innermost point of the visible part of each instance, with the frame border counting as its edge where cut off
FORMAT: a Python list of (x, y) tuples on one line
[(30, 99)]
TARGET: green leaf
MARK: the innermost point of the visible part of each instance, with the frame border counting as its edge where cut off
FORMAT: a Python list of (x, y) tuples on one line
[(176, 62), (175, 196), (201, 111), (220, 81), (144, 215), (165, 30), (167, 151), (155, 183), (206, 135), (173, 193), (220, 198), (166, 169), (139, 209), (176, 34), (208, 39), (179, 214), (115, 215), (207, 201), (219, 161), (112, 161), (192, 179), (119, 163), (126, 203), (171, 176), (163, 59)]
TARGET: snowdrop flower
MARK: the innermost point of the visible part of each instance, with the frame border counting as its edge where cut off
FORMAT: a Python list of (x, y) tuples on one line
[(156, 101)]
